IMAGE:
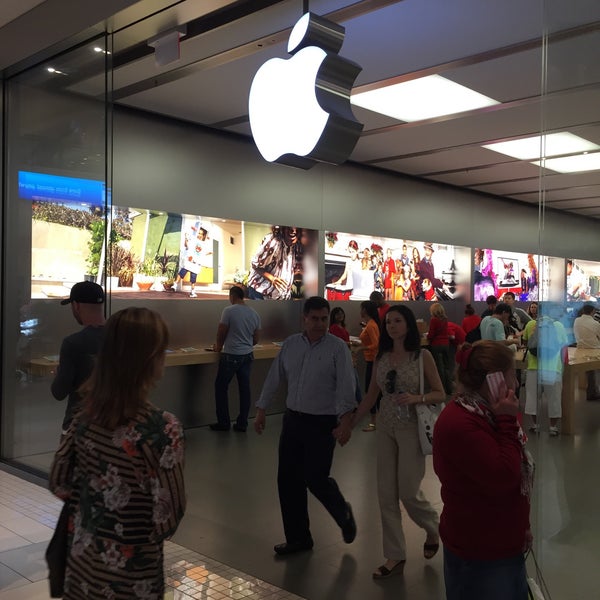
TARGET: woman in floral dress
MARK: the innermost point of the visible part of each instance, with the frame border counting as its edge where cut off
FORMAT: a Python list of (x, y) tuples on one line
[(120, 468)]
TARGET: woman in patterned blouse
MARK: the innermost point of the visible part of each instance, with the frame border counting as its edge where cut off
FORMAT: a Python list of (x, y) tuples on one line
[(120, 468)]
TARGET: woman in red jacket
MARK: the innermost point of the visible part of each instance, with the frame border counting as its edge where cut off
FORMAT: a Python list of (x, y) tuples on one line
[(486, 475), (439, 344)]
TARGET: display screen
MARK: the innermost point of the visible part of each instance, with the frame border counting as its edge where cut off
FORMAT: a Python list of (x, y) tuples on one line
[(527, 276), (583, 280), (161, 254), (401, 269), (69, 191)]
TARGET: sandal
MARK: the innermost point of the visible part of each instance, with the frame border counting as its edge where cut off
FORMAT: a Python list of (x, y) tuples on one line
[(369, 427), (430, 550), (383, 572)]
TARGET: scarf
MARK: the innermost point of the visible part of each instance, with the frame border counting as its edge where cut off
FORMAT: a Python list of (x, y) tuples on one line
[(476, 404)]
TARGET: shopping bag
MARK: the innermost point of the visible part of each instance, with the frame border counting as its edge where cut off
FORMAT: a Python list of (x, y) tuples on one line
[(427, 415)]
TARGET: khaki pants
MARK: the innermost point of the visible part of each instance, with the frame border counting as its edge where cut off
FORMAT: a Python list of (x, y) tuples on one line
[(400, 470)]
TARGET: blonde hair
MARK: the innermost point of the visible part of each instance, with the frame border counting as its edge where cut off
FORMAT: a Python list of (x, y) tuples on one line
[(437, 310), (128, 364)]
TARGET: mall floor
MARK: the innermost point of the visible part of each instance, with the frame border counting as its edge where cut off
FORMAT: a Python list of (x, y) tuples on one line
[(223, 548)]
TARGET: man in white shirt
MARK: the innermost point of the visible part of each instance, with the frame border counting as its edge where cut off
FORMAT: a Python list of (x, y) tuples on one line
[(587, 335)]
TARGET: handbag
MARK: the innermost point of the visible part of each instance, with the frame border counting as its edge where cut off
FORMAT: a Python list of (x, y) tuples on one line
[(427, 415), (537, 590), (56, 553)]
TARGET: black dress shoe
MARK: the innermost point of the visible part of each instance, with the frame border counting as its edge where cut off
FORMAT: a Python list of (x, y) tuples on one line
[(239, 428), (292, 548), (218, 427), (349, 527)]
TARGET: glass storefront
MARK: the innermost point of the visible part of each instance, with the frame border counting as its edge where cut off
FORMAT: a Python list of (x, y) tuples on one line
[(59, 142), (58, 146)]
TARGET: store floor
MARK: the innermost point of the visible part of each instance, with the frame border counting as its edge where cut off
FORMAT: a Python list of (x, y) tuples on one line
[(224, 544)]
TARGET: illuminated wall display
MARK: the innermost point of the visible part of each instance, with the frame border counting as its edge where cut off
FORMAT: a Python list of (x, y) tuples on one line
[(149, 249), (401, 269), (583, 280), (299, 108), (527, 276)]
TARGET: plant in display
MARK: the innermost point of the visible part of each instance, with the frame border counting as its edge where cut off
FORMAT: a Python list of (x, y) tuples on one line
[(241, 277), (331, 237), (122, 264), (166, 263)]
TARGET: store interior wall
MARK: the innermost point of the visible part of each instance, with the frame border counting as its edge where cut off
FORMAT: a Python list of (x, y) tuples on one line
[(161, 162)]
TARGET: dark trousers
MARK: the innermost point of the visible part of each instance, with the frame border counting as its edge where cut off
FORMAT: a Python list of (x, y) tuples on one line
[(504, 579), (306, 448), (230, 365), (368, 377), (441, 355)]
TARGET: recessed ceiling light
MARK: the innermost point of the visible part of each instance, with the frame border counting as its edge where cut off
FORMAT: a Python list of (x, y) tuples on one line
[(572, 164), (424, 98), (555, 144), (54, 71), (98, 49)]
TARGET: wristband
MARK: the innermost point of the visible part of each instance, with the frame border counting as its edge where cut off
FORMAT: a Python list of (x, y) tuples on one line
[(423, 399)]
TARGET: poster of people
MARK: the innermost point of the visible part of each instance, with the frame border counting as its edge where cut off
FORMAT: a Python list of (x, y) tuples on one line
[(166, 255), (527, 276), (401, 269), (583, 280)]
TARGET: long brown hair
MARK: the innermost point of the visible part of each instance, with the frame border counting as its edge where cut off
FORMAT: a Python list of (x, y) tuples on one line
[(127, 366)]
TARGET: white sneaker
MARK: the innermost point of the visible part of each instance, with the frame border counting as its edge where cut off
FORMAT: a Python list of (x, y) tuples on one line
[(553, 431), (534, 428), (193, 294)]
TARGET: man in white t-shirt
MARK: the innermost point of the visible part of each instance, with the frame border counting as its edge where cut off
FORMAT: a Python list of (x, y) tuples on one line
[(237, 334), (587, 335)]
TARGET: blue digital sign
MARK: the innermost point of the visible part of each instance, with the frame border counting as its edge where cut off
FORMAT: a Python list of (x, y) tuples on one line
[(55, 188)]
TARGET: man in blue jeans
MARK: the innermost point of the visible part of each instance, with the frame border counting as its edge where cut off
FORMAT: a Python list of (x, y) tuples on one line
[(237, 333)]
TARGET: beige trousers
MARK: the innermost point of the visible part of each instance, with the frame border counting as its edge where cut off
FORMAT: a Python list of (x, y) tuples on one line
[(400, 470)]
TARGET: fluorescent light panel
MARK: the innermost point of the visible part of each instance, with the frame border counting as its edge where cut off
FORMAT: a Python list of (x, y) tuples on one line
[(572, 164), (555, 144), (424, 98)]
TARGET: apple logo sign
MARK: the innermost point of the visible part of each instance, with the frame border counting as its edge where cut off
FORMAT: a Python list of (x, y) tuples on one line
[(299, 108)]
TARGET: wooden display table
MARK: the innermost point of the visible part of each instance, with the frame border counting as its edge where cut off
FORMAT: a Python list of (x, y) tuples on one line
[(175, 357), (580, 361)]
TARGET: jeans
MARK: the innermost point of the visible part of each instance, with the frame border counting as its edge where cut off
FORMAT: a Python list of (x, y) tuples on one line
[(504, 579), (230, 365)]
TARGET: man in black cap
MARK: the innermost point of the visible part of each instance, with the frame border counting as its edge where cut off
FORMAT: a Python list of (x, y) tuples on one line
[(77, 351)]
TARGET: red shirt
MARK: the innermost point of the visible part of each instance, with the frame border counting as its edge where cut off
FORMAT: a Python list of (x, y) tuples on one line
[(382, 310), (485, 516), (340, 332), (438, 332), (470, 322), (456, 334)]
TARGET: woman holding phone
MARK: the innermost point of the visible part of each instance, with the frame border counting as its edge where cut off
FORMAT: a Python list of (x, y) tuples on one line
[(486, 475)]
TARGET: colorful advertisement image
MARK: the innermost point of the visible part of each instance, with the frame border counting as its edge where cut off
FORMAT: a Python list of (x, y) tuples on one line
[(160, 254), (283, 264), (496, 272), (583, 280), (402, 270)]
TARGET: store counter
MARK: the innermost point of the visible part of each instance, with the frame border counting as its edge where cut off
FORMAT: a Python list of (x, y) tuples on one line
[(580, 361), (175, 357)]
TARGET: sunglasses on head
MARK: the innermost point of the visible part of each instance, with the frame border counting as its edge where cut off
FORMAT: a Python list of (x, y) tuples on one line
[(390, 381)]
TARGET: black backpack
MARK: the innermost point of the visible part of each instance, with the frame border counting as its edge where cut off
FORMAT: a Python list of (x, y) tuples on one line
[(474, 335)]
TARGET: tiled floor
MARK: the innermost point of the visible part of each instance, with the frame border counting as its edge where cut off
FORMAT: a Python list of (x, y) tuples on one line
[(224, 545), (28, 513)]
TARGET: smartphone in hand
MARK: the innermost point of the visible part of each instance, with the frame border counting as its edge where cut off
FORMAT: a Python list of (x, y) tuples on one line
[(496, 384)]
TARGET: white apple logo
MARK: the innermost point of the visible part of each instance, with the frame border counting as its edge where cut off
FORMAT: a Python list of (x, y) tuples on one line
[(299, 108)]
